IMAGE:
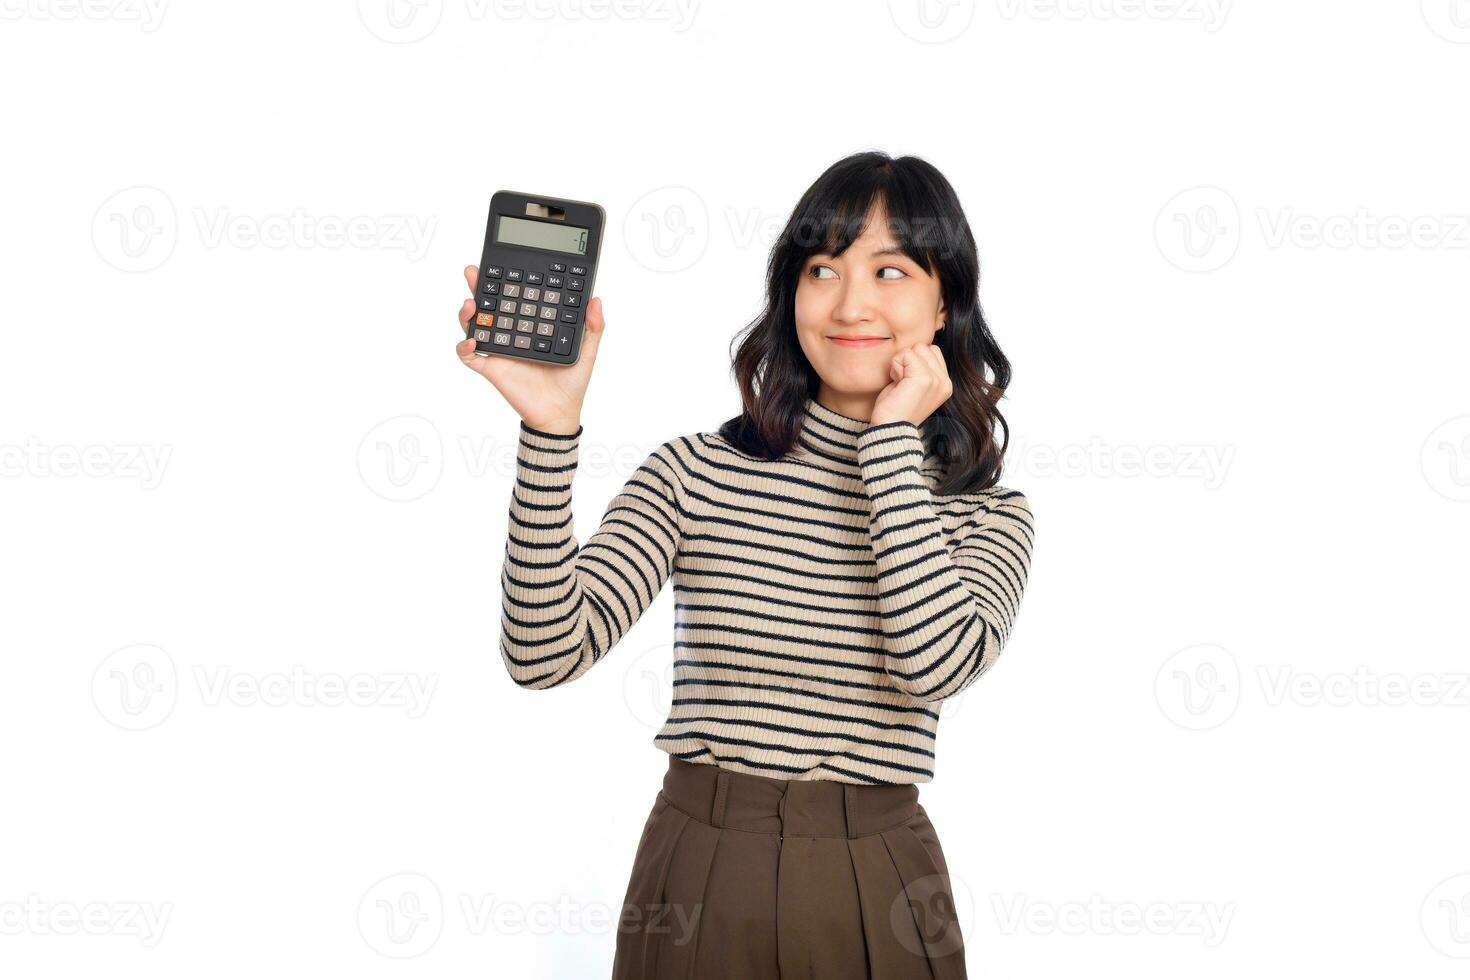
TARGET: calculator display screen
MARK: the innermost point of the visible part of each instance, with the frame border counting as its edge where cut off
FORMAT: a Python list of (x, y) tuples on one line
[(541, 234)]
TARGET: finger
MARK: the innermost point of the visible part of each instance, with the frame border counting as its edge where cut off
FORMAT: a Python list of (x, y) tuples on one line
[(466, 310), (476, 362), (932, 366), (472, 277), (914, 364), (936, 360), (596, 324), (943, 384)]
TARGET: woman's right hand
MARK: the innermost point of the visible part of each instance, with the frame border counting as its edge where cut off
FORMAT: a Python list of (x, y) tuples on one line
[(546, 396)]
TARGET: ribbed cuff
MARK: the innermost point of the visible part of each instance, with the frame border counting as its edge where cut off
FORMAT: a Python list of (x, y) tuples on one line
[(550, 435), (889, 455), (545, 464)]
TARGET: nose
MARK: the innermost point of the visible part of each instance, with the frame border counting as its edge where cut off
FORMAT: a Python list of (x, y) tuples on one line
[(856, 302)]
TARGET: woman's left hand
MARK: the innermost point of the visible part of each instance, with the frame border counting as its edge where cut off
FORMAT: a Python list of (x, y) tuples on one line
[(920, 385)]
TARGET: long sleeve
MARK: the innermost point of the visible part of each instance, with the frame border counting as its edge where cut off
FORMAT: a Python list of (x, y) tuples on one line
[(946, 615), (564, 607)]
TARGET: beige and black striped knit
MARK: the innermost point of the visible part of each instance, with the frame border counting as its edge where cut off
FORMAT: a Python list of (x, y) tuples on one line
[(825, 602)]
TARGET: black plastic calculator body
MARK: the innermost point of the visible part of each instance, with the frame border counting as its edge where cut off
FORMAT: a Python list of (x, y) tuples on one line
[(536, 276)]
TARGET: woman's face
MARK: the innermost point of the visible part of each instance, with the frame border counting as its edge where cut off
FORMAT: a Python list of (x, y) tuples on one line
[(872, 290)]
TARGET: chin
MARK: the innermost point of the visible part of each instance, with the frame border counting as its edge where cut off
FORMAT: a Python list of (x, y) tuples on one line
[(855, 383)]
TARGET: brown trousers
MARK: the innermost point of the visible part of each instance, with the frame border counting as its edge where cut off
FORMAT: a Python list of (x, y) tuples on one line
[(745, 877)]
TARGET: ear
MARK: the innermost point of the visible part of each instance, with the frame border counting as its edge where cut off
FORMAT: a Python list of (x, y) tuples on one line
[(943, 318)]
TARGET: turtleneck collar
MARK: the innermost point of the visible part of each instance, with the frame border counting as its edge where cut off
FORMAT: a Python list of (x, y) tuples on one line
[(832, 434)]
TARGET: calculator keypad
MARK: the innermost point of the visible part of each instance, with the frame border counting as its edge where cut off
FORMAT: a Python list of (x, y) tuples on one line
[(524, 308)]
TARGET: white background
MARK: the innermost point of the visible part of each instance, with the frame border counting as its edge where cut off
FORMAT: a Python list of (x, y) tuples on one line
[(1224, 244)]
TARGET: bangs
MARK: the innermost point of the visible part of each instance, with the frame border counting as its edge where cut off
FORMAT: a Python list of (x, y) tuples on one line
[(829, 223)]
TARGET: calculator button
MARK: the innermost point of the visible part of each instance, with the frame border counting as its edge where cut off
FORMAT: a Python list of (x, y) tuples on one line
[(575, 284), (568, 316), (482, 336), (531, 293), (557, 267), (484, 319), (564, 340), (492, 272), (541, 344), (507, 306), (525, 326), (528, 309), (553, 296), (513, 275), (572, 300), (533, 278), (493, 288), (511, 290), (502, 338), (548, 313), (523, 342), (487, 303), (546, 329), (579, 270), (554, 282)]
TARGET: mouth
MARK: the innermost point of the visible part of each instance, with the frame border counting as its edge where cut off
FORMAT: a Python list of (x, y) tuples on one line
[(857, 340)]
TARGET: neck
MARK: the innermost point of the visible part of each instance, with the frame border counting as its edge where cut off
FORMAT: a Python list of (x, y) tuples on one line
[(831, 434), (854, 406)]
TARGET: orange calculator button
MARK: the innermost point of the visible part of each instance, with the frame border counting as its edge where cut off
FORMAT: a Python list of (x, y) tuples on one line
[(484, 319)]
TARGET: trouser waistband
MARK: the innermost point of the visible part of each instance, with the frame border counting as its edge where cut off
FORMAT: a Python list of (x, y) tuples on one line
[(788, 807)]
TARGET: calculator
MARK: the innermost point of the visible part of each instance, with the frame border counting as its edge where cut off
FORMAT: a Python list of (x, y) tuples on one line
[(536, 276)]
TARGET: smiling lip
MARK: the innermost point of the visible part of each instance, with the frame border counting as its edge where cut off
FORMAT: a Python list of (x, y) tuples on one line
[(857, 341)]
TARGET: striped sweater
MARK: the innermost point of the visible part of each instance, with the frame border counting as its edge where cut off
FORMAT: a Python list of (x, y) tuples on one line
[(825, 602)]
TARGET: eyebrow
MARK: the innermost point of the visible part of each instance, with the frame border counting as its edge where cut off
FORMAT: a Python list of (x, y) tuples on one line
[(894, 250)]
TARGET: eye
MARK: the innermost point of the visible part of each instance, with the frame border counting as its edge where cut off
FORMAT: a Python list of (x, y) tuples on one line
[(891, 268), (819, 268)]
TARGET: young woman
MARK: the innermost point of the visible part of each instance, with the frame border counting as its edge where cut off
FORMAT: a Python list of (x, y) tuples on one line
[(843, 561)]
